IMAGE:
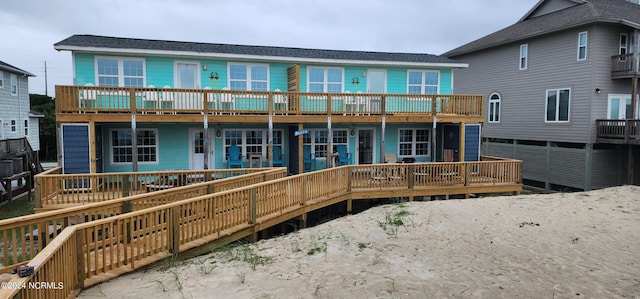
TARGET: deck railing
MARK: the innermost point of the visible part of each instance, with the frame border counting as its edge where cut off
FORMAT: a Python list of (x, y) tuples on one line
[(625, 130), (22, 238), (126, 242), (57, 190), (624, 66), (86, 99)]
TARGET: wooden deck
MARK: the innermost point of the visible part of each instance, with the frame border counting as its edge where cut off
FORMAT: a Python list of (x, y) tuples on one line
[(88, 253)]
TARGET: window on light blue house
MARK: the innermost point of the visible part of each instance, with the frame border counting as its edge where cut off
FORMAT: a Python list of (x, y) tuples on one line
[(318, 139), (120, 72), (248, 77), (122, 149), (325, 79), (414, 143), (251, 141), (423, 82)]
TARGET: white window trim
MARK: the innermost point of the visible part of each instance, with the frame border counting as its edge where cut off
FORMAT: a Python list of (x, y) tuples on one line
[(26, 127), (312, 133), (586, 44), (422, 84), (326, 82), (157, 146), (625, 46), (120, 68), (244, 145), (413, 143), (175, 71), (13, 79), (622, 97), (248, 81), (546, 103), (499, 112), (524, 57), (13, 125)]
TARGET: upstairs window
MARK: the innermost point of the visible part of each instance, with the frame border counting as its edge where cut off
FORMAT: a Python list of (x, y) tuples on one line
[(248, 77), (325, 79), (524, 49), (14, 84), (14, 125), (423, 82), (624, 44), (494, 108), (582, 45), (120, 72), (558, 105), (26, 127)]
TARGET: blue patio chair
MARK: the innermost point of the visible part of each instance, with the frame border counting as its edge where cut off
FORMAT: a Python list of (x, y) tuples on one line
[(308, 158), (277, 156), (235, 158), (344, 157)]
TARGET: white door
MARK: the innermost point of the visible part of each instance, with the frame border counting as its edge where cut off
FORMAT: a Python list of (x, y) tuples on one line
[(187, 75), (376, 83), (197, 151), (619, 106)]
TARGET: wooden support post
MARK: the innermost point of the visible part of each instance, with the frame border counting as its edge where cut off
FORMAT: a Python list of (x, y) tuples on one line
[(254, 204), (80, 262), (349, 206), (205, 141), (461, 143), (300, 150), (410, 176), (302, 220), (38, 192), (134, 144), (126, 206), (125, 185), (174, 235)]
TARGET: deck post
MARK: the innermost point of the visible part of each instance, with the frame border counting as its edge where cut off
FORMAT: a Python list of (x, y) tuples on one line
[(205, 141), (174, 232), (253, 206), (302, 220), (80, 262), (38, 192), (125, 185), (410, 176)]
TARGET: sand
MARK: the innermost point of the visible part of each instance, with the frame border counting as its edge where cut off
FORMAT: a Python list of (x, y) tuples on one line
[(563, 245)]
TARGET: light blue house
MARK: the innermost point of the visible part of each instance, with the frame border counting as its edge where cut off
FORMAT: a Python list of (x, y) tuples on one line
[(183, 105)]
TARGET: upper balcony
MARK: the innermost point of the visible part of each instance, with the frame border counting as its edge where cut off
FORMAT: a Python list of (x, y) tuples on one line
[(625, 66), (618, 131), (117, 104)]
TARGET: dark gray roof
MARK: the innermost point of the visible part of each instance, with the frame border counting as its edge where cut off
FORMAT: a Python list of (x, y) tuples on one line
[(11, 68), (105, 42), (591, 11)]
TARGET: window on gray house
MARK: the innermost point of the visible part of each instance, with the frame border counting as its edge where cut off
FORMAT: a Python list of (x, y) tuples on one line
[(494, 108), (558, 105), (582, 45), (524, 54)]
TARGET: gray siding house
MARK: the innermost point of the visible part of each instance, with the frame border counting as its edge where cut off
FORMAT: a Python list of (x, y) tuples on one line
[(16, 118), (558, 85)]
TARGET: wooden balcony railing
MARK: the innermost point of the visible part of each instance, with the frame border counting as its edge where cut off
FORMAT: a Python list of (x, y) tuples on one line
[(82, 254), (83, 99), (624, 66), (23, 239), (619, 130), (55, 190)]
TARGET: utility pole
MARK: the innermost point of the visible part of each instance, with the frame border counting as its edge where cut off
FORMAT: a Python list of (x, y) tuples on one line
[(46, 89)]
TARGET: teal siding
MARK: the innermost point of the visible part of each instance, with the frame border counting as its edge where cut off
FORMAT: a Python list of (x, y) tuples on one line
[(85, 69), (160, 73)]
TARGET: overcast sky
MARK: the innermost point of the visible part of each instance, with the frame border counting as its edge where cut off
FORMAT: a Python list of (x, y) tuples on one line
[(31, 27)]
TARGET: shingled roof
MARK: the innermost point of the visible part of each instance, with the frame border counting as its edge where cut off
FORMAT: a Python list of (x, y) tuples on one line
[(584, 12), (11, 68), (112, 44)]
